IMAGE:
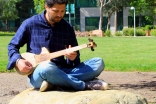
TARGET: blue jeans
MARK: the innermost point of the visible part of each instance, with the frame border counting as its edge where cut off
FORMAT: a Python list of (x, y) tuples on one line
[(70, 78)]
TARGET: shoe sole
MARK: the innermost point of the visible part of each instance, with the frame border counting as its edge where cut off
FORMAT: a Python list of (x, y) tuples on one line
[(44, 86)]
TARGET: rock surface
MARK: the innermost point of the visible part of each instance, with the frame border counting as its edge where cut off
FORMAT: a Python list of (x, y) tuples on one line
[(31, 96)]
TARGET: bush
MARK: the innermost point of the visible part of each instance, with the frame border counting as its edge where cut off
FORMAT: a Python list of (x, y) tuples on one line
[(118, 33), (125, 32), (148, 27), (143, 28), (140, 32), (128, 31), (153, 32), (108, 33)]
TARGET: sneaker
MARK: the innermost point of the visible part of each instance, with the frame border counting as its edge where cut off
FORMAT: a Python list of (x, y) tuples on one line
[(45, 86), (96, 85)]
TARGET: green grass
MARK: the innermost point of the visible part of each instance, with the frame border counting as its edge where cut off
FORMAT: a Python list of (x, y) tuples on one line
[(119, 53), (124, 53), (6, 33), (3, 52)]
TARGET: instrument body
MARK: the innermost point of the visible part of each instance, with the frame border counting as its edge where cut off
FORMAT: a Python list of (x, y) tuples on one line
[(45, 55)]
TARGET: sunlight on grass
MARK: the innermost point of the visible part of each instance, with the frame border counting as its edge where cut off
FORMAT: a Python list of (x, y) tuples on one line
[(119, 53), (124, 54), (3, 52)]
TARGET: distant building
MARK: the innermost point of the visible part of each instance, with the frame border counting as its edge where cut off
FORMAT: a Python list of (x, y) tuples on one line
[(84, 15)]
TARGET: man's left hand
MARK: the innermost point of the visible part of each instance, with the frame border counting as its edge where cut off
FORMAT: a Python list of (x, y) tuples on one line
[(71, 55)]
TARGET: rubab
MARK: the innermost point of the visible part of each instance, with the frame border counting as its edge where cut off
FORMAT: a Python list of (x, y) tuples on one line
[(45, 55)]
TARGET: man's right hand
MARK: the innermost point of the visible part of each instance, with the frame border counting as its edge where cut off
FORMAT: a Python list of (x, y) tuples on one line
[(24, 65)]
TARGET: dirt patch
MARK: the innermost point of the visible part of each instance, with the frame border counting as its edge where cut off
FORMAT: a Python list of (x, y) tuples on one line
[(142, 83)]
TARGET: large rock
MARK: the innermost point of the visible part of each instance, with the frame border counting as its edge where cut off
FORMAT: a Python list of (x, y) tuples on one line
[(31, 96)]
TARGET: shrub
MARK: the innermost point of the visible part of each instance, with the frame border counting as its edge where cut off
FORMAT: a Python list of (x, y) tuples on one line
[(125, 32), (153, 32), (143, 28), (128, 31), (108, 33), (118, 33), (148, 27), (140, 32)]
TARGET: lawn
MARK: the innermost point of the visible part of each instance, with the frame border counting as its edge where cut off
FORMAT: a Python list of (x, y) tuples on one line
[(119, 53), (124, 53)]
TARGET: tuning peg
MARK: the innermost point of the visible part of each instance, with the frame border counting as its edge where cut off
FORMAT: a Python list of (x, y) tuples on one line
[(92, 44), (92, 49)]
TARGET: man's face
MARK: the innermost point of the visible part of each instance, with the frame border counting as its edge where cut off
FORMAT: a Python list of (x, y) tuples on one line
[(55, 13)]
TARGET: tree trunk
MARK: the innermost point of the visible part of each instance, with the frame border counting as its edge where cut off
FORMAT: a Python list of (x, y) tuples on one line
[(101, 15), (109, 18), (115, 21), (139, 21), (6, 25)]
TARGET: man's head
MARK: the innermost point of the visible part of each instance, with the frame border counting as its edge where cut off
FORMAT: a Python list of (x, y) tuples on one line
[(50, 3), (55, 10)]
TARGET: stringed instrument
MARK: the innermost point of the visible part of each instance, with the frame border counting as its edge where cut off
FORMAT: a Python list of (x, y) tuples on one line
[(35, 59)]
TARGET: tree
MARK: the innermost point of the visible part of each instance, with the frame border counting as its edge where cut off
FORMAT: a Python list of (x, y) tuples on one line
[(102, 4), (8, 11), (150, 14), (140, 8), (25, 8), (145, 8), (39, 5), (109, 7)]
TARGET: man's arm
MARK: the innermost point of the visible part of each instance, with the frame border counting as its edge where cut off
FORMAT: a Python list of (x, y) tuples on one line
[(17, 41)]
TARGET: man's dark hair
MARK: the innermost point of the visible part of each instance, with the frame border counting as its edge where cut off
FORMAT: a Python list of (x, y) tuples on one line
[(50, 3)]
